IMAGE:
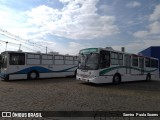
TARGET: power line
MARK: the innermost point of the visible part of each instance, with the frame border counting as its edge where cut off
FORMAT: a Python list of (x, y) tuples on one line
[(29, 48), (25, 42), (14, 37), (18, 38), (17, 44), (9, 42)]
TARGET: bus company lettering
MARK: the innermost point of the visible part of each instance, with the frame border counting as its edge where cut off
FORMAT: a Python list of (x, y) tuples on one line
[(32, 115), (19, 114)]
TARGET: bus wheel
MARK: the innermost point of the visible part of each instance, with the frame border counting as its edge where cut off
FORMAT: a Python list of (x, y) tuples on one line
[(33, 75), (148, 77), (116, 79)]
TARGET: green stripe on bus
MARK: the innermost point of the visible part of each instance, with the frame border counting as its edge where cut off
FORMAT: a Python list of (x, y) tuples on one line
[(118, 67)]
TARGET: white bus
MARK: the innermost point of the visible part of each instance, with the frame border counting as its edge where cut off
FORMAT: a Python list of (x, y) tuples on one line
[(23, 65), (0, 60), (102, 65)]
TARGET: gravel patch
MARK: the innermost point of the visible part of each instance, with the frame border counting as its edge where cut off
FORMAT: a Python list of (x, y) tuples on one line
[(68, 94)]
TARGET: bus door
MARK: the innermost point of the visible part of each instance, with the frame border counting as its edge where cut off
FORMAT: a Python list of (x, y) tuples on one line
[(128, 64), (104, 59), (141, 65)]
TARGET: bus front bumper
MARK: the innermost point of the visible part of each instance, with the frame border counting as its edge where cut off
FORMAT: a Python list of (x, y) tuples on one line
[(4, 76), (86, 79)]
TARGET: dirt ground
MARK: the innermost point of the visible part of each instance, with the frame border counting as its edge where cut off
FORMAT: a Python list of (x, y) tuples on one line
[(68, 94)]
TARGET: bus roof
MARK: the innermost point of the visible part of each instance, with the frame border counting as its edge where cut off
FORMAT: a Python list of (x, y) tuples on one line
[(34, 53), (112, 50)]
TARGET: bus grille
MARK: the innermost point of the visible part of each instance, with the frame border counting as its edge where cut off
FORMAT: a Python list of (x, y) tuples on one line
[(84, 76)]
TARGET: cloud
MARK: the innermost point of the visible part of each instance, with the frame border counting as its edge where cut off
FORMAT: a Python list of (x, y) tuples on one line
[(13, 25), (78, 19), (9, 18), (133, 4), (105, 8), (71, 48), (74, 47), (74, 44), (149, 36), (137, 45), (141, 34), (156, 14), (153, 29), (50, 1)]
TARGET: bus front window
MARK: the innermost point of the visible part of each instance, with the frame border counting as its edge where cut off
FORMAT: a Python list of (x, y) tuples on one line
[(4, 61), (88, 61)]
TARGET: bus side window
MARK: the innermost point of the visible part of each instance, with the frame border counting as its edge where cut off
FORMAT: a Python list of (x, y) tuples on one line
[(104, 59), (21, 60), (17, 59), (114, 58), (134, 60), (120, 57), (154, 63), (147, 62)]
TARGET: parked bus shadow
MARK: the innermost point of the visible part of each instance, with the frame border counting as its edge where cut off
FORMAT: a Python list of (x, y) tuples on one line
[(43, 81), (152, 85)]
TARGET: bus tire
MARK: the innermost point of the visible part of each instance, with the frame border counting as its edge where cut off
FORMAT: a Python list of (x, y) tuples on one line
[(33, 75), (148, 77), (116, 79), (6, 78)]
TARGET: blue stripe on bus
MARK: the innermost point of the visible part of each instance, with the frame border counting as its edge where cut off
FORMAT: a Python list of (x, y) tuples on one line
[(41, 70)]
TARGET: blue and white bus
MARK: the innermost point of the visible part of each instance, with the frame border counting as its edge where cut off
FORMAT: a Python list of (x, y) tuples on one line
[(25, 65), (103, 65)]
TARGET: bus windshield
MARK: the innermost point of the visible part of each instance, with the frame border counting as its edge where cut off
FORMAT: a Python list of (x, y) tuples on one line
[(4, 61), (88, 61)]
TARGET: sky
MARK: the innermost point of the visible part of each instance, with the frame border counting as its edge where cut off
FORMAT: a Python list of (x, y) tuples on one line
[(67, 26)]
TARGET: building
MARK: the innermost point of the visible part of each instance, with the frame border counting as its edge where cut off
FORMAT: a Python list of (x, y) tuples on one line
[(153, 51)]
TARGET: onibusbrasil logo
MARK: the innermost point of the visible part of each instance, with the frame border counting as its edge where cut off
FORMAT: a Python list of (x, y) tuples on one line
[(22, 114)]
